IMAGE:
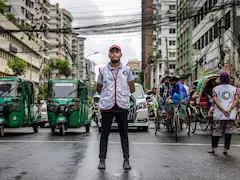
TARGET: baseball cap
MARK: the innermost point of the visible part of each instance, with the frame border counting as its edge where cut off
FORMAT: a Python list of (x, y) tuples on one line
[(116, 47)]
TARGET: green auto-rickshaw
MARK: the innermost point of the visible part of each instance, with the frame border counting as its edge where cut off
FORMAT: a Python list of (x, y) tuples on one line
[(67, 105), (17, 104)]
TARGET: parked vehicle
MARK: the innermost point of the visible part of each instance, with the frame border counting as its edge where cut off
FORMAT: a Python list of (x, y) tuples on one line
[(43, 112), (17, 104), (67, 105)]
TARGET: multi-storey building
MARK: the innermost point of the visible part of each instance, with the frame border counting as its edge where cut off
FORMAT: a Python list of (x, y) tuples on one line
[(60, 43), (184, 38), (80, 61), (18, 45), (147, 32), (135, 67), (164, 40), (35, 15), (211, 29)]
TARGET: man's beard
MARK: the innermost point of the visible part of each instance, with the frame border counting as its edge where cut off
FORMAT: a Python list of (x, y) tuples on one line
[(115, 61)]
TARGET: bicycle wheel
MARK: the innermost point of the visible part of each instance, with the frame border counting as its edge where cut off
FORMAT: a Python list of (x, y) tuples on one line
[(204, 123), (176, 119), (193, 119)]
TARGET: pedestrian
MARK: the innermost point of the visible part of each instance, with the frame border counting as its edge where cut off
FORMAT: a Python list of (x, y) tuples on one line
[(225, 98), (115, 84), (232, 81)]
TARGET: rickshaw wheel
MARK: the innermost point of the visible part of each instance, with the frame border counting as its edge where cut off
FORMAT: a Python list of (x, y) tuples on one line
[(88, 128), (62, 130), (99, 129), (35, 128), (1, 131)]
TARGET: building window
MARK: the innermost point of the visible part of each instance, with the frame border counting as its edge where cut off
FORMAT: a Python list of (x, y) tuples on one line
[(227, 20), (160, 67), (172, 66), (172, 31), (22, 9), (159, 41), (210, 35), (172, 19), (206, 39), (172, 43), (172, 7), (172, 54)]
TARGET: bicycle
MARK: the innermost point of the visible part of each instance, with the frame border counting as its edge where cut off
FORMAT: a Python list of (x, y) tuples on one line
[(178, 122)]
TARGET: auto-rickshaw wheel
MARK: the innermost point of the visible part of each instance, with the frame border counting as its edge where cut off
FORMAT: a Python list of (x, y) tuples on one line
[(88, 128), (1, 131), (62, 130), (53, 129), (35, 128)]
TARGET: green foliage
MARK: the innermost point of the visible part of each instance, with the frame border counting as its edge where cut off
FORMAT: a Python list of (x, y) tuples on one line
[(47, 72), (3, 6), (12, 18), (42, 93), (17, 65), (57, 64), (63, 67)]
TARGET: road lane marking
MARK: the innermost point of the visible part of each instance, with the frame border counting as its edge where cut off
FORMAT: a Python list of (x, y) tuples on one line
[(133, 143)]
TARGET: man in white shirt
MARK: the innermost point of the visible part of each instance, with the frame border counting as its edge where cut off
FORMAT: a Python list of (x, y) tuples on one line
[(182, 80)]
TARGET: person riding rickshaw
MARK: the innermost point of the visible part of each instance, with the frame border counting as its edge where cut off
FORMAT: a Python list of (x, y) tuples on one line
[(204, 101)]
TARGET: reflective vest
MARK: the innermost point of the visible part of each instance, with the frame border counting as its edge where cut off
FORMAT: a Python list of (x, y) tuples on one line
[(225, 94), (115, 90)]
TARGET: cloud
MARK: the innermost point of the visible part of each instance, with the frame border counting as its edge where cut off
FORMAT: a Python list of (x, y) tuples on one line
[(84, 10)]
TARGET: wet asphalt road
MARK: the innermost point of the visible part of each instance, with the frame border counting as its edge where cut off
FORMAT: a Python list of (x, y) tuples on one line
[(43, 156)]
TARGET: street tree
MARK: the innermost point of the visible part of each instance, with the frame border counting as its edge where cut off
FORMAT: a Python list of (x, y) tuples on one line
[(63, 67), (3, 6), (17, 65), (47, 72)]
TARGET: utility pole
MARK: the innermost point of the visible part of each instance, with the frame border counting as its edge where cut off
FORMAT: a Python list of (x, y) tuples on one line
[(221, 36), (167, 60)]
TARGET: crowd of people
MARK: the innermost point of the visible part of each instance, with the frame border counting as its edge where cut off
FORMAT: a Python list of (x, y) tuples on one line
[(221, 97)]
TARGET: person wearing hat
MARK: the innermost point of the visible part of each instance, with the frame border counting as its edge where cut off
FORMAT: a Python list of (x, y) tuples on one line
[(164, 92), (115, 85), (178, 88)]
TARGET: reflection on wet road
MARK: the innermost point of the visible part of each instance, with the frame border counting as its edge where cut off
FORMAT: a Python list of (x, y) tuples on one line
[(43, 156)]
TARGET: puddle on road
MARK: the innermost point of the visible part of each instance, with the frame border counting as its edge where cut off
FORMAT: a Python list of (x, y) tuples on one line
[(124, 175)]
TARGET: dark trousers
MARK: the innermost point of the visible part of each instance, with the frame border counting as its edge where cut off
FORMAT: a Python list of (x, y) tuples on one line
[(227, 142), (219, 127), (121, 118)]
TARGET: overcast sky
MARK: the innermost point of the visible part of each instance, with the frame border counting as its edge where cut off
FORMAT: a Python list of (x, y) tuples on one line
[(130, 43)]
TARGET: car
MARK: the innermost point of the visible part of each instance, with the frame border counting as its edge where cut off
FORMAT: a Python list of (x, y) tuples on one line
[(138, 114), (44, 115)]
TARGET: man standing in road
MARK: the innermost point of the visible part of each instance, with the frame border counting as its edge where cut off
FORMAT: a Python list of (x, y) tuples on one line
[(182, 80), (115, 84)]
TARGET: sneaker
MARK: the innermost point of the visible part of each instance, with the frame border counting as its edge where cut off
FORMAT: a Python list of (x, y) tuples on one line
[(102, 164), (126, 165)]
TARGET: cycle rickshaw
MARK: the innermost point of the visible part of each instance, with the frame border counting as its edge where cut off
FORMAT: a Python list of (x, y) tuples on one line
[(200, 109)]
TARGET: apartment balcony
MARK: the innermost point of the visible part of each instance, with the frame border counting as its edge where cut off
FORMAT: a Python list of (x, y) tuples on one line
[(46, 16)]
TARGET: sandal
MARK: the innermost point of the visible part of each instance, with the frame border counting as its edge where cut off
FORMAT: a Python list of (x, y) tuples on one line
[(225, 153), (211, 151)]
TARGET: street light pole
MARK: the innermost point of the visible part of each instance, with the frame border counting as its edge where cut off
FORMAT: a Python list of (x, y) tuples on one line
[(87, 72)]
